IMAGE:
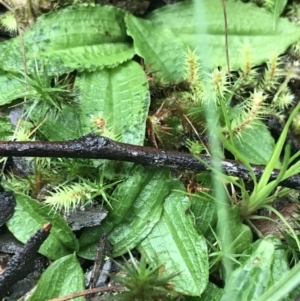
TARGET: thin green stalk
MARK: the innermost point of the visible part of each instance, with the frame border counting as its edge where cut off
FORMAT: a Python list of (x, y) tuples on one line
[(260, 194), (227, 121), (213, 128), (277, 151), (294, 157), (293, 232), (293, 170)]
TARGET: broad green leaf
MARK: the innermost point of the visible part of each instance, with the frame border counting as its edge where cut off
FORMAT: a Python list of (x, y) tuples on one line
[(168, 32), (211, 293), (287, 284), (248, 25), (117, 108), (124, 196), (144, 190), (128, 191), (160, 48), (254, 277), (6, 128), (115, 102), (175, 243), (144, 213), (204, 213), (249, 143), (62, 277), (78, 37), (68, 120), (89, 240), (241, 234), (30, 215), (11, 88), (280, 264)]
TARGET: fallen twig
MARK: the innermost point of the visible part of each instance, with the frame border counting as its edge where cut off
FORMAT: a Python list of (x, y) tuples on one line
[(117, 288), (98, 147), (22, 262), (7, 205)]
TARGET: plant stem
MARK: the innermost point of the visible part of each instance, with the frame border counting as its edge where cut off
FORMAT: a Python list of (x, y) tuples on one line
[(21, 263)]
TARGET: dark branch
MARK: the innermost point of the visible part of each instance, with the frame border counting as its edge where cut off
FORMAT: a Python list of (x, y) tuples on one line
[(96, 147), (22, 262)]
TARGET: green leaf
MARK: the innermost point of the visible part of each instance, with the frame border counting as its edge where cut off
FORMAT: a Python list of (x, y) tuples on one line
[(68, 119), (118, 107), (89, 240), (289, 283), (163, 39), (11, 88), (128, 191), (78, 37), (160, 48), (145, 211), (30, 215), (240, 232), (280, 264), (6, 128), (204, 213), (175, 243), (249, 143), (254, 277), (211, 293), (63, 277), (124, 197), (263, 189)]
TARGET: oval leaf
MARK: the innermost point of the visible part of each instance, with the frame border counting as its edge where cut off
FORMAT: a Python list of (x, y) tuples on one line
[(63, 277), (211, 293), (124, 197), (78, 37), (281, 263), (163, 39), (248, 143), (118, 107), (68, 119), (204, 212), (160, 48), (11, 88), (30, 215), (254, 277), (177, 245), (240, 232), (6, 129), (144, 213)]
